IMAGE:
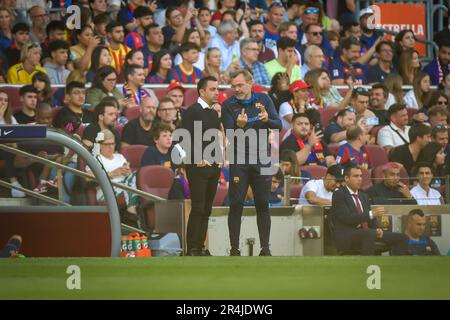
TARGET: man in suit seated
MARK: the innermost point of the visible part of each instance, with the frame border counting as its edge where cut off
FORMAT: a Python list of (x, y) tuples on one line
[(355, 225)]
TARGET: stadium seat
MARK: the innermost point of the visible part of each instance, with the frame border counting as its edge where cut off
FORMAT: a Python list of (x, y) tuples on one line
[(326, 115), (296, 189), (132, 113), (377, 155), (367, 179), (221, 194), (411, 113), (377, 174), (133, 154), (160, 93), (316, 172), (190, 97), (13, 98)]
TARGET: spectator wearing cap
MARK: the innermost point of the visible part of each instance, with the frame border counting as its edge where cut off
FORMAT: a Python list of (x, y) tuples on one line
[(227, 42), (354, 151), (313, 59), (298, 104), (390, 190), (310, 15), (274, 19), (144, 18), (249, 60), (320, 191), (422, 192), (23, 72), (116, 46), (56, 30), (379, 103), (256, 30), (133, 88), (440, 66), (56, 67), (397, 132), (306, 143), (368, 36), (20, 36), (346, 65), (407, 154), (186, 72), (418, 243), (384, 66), (336, 132), (286, 61), (175, 91), (154, 43)]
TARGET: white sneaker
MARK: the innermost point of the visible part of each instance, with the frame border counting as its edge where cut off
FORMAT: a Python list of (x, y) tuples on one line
[(17, 193)]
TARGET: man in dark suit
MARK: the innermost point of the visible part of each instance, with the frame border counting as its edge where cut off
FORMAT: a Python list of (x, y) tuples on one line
[(355, 225), (203, 174)]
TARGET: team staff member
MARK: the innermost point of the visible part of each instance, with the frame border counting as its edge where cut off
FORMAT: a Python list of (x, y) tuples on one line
[(249, 110), (203, 176)]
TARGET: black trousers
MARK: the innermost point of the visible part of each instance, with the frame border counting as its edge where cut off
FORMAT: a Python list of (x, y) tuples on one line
[(364, 242), (203, 186), (241, 177)]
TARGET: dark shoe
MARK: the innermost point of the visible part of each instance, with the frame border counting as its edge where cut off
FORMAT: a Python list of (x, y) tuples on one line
[(205, 253), (195, 253), (303, 233), (265, 252), (235, 252), (312, 233)]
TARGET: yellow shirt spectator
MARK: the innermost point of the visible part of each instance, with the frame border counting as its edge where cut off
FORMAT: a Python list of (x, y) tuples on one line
[(118, 57), (18, 75)]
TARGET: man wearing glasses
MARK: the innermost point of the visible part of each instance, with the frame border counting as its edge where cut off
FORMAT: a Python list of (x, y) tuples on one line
[(39, 22), (309, 16), (384, 67), (249, 60), (316, 37)]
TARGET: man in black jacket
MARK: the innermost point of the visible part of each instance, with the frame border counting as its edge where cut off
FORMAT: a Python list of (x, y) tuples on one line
[(355, 225), (246, 114), (203, 174)]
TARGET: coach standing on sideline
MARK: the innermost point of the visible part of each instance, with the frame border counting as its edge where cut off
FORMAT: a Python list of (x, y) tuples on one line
[(249, 110), (203, 176)]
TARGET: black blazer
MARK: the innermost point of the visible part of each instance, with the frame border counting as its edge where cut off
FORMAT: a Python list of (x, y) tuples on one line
[(345, 215)]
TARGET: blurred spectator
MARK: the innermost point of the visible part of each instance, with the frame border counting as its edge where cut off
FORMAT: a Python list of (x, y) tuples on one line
[(346, 65), (439, 134), (39, 18), (59, 94), (438, 115), (213, 60), (21, 73), (81, 53), (286, 61), (368, 36), (418, 243), (407, 154), (313, 59), (105, 115), (279, 90), (192, 36), (98, 6), (315, 37), (289, 167), (360, 103), (56, 67), (159, 153), (101, 57), (320, 191), (100, 22), (154, 43), (161, 65), (143, 18), (175, 27), (397, 132), (295, 10), (390, 190), (438, 98), (223, 5), (307, 143), (204, 18), (394, 83), (310, 15), (444, 86), (249, 60), (56, 31), (104, 85), (334, 39), (274, 19), (405, 40), (434, 155), (20, 36), (384, 67), (117, 48), (41, 82), (167, 112), (175, 91), (419, 96), (139, 130), (276, 193), (379, 102), (409, 65), (6, 21), (354, 151), (227, 42), (186, 72), (256, 29), (11, 249), (28, 100), (133, 87), (439, 67), (73, 115), (336, 131), (423, 193), (126, 17)]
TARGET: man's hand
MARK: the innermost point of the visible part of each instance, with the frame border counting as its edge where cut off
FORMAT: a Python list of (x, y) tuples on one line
[(204, 163), (314, 137), (242, 119), (378, 212), (379, 233), (404, 190), (263, 115)]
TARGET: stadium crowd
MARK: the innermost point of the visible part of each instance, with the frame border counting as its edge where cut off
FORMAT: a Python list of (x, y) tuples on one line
[(295, 54)]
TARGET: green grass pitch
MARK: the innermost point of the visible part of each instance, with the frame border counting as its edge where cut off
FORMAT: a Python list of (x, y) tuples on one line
[(221, 278)]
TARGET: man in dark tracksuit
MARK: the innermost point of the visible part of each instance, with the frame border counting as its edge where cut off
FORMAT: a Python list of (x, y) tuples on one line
[(203, 174), (249, 111)]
